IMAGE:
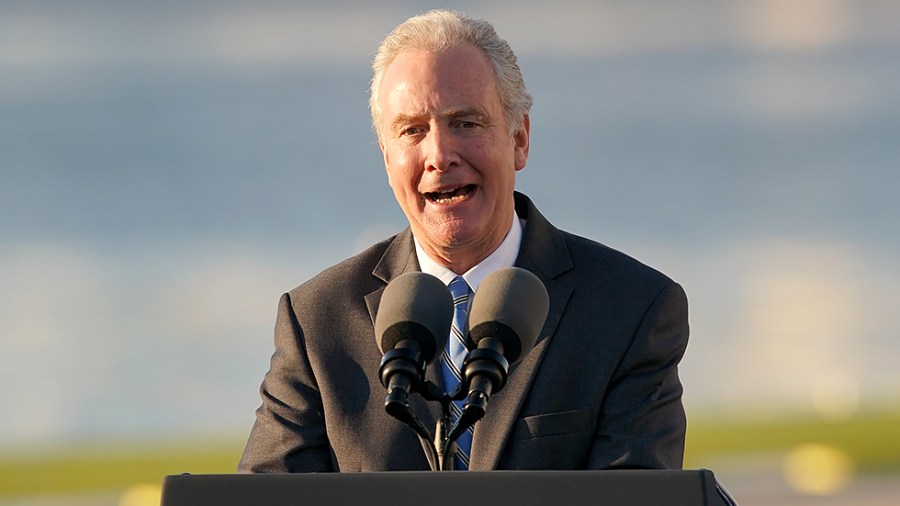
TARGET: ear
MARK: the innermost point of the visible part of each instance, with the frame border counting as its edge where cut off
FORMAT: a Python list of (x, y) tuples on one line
[(522, 137)]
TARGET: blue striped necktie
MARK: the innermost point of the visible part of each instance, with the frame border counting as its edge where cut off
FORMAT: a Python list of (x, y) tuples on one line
[(452, 360)]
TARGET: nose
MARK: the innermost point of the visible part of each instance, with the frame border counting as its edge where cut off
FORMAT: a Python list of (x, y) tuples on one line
[(440, 149)]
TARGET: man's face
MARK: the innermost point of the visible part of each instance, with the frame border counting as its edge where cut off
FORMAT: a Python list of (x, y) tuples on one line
[(450, 158)]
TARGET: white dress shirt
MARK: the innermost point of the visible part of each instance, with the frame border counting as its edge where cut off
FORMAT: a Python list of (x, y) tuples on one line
[(504, 256)]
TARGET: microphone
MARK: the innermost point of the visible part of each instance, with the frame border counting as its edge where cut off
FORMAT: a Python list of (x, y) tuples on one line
[(415, 311), (507, 315)]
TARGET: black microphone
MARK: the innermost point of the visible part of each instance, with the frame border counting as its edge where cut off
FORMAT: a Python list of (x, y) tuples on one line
[(507, 315), (415, 311)]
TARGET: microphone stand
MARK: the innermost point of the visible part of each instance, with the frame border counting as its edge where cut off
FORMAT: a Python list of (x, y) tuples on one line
[(446, 452), (402, 371), (440, 450), (447, 432)]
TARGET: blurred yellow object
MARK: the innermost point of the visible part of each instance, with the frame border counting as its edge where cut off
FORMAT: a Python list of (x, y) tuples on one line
[(142, 494), (817, 469)]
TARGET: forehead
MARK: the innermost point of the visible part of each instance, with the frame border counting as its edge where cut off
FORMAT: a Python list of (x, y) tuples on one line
[(419, 81)]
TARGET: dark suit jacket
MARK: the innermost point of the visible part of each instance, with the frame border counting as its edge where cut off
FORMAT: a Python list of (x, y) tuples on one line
[(599, 390)]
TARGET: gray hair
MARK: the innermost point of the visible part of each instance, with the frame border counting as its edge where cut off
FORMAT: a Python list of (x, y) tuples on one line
[(438, 30)]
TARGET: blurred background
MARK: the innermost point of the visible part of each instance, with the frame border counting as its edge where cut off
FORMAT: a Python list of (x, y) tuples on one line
[(168, 169)]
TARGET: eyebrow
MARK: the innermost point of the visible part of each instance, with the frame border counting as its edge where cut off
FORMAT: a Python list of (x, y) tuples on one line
[(463, 113), (404, 119)]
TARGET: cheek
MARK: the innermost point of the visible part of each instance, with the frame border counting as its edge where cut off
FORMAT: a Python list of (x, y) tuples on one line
[(400, 179), (402, 168)]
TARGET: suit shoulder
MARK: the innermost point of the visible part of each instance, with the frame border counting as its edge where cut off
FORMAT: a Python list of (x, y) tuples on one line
[(354, 272)]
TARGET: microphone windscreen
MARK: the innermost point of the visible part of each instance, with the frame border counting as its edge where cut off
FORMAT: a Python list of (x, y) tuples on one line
[(511, 305), (415, 306)]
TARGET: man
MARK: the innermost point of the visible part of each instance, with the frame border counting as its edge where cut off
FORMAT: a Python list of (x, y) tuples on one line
[(599, 390)]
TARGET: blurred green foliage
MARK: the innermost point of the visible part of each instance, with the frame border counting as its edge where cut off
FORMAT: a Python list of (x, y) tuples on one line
[(869, 439), (88, 467)]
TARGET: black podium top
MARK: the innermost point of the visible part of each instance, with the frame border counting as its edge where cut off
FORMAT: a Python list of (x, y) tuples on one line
[(457, 488)]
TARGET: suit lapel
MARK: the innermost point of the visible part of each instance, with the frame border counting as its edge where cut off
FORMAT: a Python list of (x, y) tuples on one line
[(543, 252), (398, 259)]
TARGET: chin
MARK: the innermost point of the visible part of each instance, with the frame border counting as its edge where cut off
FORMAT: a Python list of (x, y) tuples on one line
[(453, 234)]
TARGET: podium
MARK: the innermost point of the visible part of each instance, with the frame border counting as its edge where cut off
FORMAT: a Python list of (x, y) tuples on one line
[(425, 488)]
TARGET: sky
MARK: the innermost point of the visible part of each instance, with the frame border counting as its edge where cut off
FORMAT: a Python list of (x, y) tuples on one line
[(168, 170)]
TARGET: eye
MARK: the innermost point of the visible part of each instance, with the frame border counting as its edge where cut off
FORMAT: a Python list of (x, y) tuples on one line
[(408, 131), (467, 124)]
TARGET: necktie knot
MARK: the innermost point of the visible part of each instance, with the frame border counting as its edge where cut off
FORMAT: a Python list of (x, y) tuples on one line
[(459, 289)]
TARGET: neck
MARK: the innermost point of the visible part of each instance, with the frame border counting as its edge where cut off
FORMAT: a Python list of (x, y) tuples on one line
[(460, 260)]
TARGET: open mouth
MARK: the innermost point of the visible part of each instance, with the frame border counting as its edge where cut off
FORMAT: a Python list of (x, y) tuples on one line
[(450, 196)]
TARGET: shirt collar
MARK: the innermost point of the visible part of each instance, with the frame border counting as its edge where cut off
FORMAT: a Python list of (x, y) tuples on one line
[(504, 256)]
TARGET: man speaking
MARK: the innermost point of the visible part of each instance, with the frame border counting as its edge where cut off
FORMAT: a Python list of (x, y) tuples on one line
[(600, 388)]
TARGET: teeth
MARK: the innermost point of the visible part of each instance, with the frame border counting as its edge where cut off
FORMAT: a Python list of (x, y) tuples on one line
[(449, 197), (444, 198)]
